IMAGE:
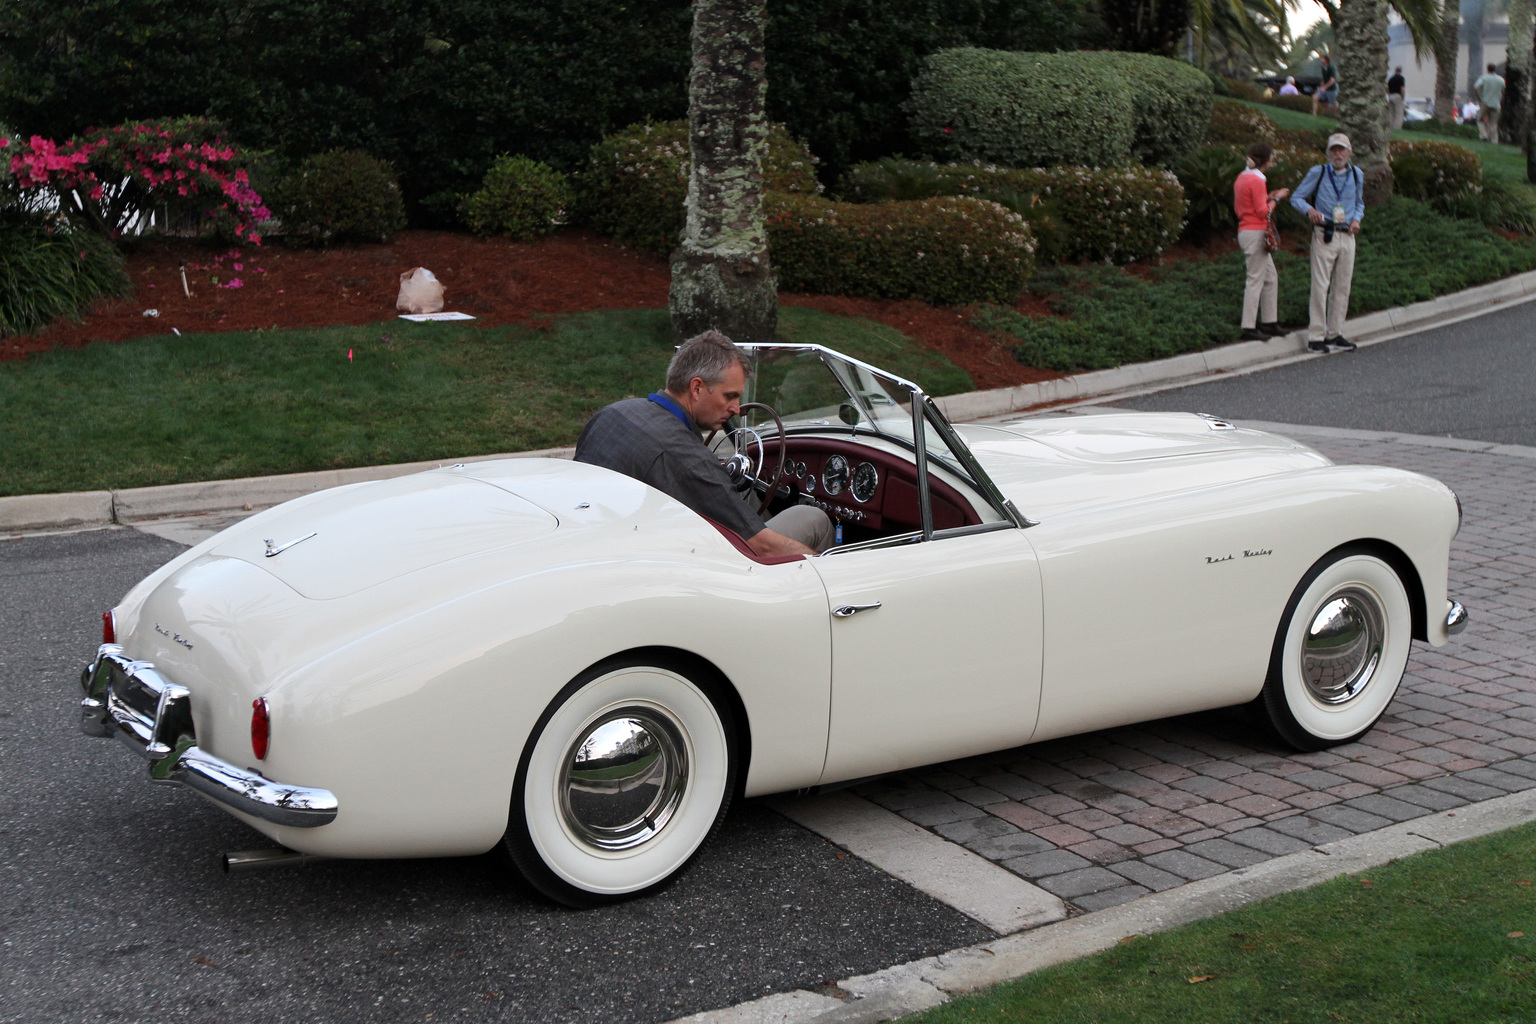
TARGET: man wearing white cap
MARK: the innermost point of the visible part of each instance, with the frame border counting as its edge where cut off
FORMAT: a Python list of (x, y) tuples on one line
[(1332, 197)]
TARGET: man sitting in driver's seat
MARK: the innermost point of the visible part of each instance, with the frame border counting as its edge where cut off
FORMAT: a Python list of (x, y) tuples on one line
[(658, 440)]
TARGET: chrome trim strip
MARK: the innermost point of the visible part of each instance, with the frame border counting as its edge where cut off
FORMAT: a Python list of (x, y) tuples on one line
[(119, 693), (1455, 617), (844, 611), (924, 496)]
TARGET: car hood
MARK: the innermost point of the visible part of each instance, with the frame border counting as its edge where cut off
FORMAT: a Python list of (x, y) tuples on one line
[(1053, 464)]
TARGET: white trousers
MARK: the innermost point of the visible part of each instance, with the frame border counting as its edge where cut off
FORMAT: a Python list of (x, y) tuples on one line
[(1333, 265), (1488, 125), (1261, 293), (1394, 111)]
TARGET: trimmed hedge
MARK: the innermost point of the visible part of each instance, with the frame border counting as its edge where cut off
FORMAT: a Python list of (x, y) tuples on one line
[(1078, 214), (637, 181), (48, 272), (1171, 100), (1020, 110), (946, 251), (1091, 108), (521, 199)]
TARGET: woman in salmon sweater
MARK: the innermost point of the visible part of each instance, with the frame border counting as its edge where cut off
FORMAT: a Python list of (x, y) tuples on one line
[(1254, 204)]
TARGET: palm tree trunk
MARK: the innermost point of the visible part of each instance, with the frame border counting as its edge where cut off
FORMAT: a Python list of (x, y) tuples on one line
[(1360, 32), (721, 276), (1447, 49)]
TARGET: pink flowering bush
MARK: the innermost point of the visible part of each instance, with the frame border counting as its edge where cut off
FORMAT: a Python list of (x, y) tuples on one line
[(109, 179)]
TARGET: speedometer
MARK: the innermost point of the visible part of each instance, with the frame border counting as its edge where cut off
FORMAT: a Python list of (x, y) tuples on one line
[(835, 474), (865, 479)]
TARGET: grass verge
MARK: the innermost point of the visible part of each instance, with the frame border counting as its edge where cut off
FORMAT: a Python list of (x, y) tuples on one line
[(201, 407), (1406, 253), (1444, 936)]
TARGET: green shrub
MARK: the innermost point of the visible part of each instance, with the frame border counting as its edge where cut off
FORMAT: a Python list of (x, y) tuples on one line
[(1238, 124), (520, 198), (1498, 204), (1020, 110), (947, 251), (1171, 100), (1460, 131), (48, 272), (1077, 214), (1428, 170), (1239, 89), (343, 195), (1300, 104), (637, 181)]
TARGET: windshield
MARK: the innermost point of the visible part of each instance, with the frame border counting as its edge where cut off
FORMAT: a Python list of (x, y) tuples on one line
[(810, 386)]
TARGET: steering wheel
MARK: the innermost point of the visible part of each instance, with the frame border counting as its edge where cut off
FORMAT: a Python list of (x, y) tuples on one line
[(742, 463)]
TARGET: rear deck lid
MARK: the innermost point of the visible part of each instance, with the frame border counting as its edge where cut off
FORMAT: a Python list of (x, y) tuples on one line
[(358, 537)]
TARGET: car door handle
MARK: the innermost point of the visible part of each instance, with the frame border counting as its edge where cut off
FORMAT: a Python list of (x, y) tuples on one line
[(843, 611)]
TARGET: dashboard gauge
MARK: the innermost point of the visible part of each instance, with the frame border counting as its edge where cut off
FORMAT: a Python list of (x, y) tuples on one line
[(799, 471), (835, 474), (810, 483), (865, 479)]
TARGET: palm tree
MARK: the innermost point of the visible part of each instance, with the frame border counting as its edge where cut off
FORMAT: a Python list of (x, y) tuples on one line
[(1238, 36)]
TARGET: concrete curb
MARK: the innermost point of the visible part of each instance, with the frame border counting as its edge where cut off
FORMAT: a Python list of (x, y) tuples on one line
[(1368, 329), (30, 512), (916, 986)]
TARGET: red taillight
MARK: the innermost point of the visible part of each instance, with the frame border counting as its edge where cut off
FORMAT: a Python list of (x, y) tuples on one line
[(261, 728), (108, 629)]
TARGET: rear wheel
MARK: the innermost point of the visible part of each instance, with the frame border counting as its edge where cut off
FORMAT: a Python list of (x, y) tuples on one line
[(1340, 651), (627, 774)]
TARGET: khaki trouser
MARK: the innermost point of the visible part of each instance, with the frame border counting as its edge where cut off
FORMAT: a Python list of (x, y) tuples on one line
[(1394, 110), (1261, 293), (805, 523), (1488, 124), (1333, 264)]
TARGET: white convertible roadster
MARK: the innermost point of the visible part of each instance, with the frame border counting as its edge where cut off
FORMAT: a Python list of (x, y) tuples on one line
[(558, 658)]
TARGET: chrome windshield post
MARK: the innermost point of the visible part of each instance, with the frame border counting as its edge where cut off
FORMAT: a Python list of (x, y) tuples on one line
[(925, 509)]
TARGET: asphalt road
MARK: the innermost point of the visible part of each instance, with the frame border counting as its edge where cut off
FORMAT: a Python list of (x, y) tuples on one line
[(112, 906), (1472, 380)]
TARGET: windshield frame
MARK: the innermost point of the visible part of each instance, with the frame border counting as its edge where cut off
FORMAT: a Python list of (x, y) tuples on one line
[(926, 417)]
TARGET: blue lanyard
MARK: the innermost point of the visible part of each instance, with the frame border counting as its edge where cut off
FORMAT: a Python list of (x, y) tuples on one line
[(1338, 193), (673, 408)]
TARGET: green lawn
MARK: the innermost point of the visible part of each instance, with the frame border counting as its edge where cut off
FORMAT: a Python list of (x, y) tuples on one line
[(200, 407), (1445, 937)]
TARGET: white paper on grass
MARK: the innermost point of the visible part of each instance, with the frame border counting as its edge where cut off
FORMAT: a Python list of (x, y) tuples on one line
[(419, 317)]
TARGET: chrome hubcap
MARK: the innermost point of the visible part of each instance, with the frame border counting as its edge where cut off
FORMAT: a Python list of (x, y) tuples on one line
[(1343, 646), (623, 779)]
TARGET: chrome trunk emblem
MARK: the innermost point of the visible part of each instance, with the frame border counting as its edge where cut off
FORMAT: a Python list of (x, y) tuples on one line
[(277, 549)]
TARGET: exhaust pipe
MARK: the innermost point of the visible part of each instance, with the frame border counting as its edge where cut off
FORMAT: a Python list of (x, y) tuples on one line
[(249, 860)]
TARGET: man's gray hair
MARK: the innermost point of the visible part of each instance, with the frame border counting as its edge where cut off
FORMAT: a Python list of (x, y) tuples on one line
[(707, 356)]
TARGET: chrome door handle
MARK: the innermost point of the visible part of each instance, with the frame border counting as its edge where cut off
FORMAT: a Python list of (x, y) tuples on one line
[(843, 611)]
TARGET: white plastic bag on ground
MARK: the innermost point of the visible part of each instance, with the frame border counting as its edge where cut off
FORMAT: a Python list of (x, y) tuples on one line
[(420, 292)]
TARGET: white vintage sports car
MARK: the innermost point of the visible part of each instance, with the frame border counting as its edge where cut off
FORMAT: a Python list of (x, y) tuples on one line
[(560, 659)]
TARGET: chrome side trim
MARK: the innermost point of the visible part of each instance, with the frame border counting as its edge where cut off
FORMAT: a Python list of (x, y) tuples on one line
[(153, 716), (1455, 617), (844, 611)]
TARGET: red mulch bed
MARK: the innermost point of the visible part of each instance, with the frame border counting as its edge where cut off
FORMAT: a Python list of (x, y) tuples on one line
[(498, 281)]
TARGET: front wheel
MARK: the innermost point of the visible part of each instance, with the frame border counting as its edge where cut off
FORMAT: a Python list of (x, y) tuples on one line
[(628, 772), (1340, 651)]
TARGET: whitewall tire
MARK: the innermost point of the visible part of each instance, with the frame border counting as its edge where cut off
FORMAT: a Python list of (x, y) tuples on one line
[(1340, 652), (629, 771)]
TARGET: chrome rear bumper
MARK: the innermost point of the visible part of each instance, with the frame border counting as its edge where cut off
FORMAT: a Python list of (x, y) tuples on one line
[(153, 716), (1455, 618)]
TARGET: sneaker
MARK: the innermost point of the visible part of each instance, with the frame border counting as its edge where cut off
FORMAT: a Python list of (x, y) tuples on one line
[(1342, 343), (1273, 329), (1317, 346), (1253, 334)]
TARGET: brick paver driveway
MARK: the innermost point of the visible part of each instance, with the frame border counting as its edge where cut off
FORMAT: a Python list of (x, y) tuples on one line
[(1103, 818)]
